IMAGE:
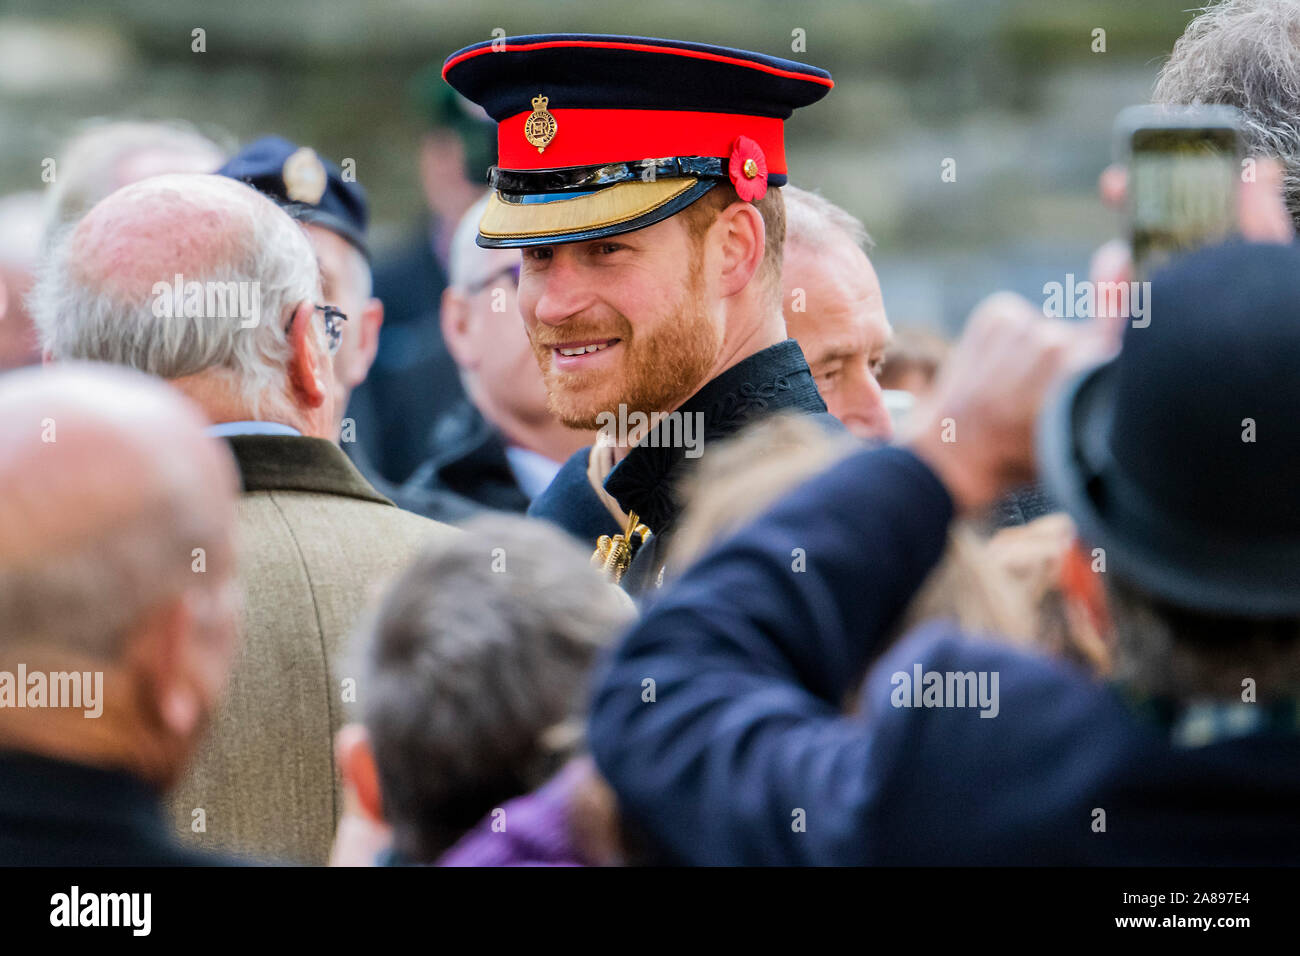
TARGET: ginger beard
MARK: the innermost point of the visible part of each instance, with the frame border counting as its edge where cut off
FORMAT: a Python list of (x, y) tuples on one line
[(663, 361)]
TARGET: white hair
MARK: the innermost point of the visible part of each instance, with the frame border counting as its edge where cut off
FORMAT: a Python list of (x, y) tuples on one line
[(269, 251), (1245, 53), (812, 220), (88, 167)]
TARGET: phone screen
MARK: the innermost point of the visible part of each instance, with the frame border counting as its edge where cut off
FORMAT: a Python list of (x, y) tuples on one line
[(1182, 189)]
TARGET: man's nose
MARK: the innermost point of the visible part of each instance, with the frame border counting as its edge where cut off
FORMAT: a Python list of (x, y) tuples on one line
[(867, 401), (561, 291)]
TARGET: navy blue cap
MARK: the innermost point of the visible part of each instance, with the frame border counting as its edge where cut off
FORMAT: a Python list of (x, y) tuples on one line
[(308, 187)]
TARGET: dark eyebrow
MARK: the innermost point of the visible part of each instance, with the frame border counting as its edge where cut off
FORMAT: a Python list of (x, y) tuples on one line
[(837, 351)]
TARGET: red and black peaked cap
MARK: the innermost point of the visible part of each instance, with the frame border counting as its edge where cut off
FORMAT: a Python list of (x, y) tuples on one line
[(598, 135)]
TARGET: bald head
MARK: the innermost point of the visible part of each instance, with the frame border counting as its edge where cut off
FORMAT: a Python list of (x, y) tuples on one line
[(116, 563), (195, 225), (110, 484), (190, 275)]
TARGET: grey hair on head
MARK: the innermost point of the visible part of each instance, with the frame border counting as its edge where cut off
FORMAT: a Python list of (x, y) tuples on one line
[(1245, 53), (475, 668), (812, 220), (267, 250)]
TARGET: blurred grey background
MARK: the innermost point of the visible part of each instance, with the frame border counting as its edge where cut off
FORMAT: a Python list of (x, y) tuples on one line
[(1012, 90)]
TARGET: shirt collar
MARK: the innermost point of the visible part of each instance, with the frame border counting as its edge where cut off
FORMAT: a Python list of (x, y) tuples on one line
[(533, 471), (226, 429)]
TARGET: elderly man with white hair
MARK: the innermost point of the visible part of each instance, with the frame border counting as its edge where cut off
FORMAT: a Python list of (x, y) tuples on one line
[(835, 310), (208, 284)]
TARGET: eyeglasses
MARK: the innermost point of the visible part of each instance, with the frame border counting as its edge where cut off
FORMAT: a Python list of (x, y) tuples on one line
[(334, 319), (512, 271)]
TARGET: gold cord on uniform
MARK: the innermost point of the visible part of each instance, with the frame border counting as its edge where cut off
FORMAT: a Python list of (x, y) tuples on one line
[(614, 555)]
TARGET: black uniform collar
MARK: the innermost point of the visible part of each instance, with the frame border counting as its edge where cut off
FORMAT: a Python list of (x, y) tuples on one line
[(774, 379)]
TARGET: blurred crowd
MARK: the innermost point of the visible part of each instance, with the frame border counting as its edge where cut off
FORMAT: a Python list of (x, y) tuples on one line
[(367, 583)]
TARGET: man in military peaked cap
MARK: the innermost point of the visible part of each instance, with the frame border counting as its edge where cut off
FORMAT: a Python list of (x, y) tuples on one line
[(641, 178)]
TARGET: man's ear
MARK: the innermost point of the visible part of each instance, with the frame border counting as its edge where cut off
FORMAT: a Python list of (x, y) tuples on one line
[(159, 652), (370, 321), (356, 760), (456, 328), (744, 238), (304, 359)]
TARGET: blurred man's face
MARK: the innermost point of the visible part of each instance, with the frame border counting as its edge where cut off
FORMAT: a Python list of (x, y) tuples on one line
[(622, 320), (345, 281), (842, 330), (494, 346)]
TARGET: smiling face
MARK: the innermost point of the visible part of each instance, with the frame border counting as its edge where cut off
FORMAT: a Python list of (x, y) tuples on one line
[(627, 319)]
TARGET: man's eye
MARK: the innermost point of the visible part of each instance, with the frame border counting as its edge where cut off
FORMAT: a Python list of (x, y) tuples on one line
[(877, 368), (608, 248), (538, 253)]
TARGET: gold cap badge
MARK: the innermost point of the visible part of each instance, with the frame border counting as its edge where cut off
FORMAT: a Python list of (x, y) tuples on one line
[(304, 176), (540, 127)]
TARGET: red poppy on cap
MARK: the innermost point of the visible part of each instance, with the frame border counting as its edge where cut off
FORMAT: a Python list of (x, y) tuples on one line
[(748, 169)]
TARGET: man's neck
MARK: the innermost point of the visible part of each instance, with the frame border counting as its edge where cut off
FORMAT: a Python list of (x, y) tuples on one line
[(214, 396), (119, 738), (758, 336)]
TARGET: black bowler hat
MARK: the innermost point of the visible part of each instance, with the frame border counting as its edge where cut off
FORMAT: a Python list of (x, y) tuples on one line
[(309, 188), (598, 135), (1150, 452)]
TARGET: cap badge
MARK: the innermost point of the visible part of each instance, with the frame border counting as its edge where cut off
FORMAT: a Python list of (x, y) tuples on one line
[(304, 176), (539, 128)]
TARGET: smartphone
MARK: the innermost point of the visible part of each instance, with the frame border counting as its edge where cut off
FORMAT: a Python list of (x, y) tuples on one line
[(1185, 164)]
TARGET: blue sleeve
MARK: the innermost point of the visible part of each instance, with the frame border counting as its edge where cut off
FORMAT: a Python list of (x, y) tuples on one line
[(743, 755)]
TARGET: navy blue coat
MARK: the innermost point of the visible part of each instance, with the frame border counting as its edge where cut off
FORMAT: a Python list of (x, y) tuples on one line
[(745, 757)]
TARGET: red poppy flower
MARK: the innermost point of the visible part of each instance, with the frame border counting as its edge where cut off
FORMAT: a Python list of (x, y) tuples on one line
[(748, 169)]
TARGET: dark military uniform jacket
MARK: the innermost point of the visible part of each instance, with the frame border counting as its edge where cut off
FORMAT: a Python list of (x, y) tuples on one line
[(646, 480)]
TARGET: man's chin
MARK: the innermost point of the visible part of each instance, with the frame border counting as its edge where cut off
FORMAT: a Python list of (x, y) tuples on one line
[(578, 415)]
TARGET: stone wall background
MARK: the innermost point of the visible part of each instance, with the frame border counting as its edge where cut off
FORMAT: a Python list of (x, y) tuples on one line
[(1010, 89)]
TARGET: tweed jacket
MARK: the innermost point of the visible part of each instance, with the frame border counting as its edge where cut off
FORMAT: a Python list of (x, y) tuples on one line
[(317, 542)]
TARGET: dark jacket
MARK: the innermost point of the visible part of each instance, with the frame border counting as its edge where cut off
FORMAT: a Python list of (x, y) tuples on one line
[(468, 473), (745, 757), (55, 813), (646, 480)]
